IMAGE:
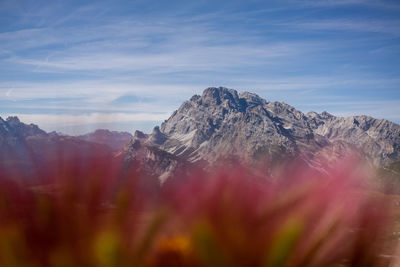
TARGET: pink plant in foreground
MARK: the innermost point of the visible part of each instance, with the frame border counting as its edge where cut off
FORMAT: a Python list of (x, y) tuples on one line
[(106, 215), (309, 221)]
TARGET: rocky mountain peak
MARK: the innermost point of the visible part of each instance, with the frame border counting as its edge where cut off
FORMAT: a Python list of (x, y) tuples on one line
[(139, 135), (194, 98), (312, 114), (13, 120), (320, 116), (220, 96), (157, 137), (325, 115), (17, 128), (3, 124)]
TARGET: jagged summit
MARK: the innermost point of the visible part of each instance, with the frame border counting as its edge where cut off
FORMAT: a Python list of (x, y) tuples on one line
[(139, 134), (217, 96), (17, 129), (157, 137), (13, 120), (229, 98), (223, 124)]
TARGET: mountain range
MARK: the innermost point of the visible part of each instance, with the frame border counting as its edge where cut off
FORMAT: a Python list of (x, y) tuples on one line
[(219, 126), (222, 125)]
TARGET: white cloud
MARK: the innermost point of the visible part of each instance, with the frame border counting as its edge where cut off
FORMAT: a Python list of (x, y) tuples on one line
[(8, 92), (63, 120), (182, 59), (373, 26), (99, 91), (384, 4)]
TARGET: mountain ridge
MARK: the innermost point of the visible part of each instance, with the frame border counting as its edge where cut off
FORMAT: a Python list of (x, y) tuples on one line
[(222, 123)]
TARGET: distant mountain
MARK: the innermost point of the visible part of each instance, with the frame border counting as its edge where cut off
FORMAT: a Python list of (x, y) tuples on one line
[(13, 126), (27, 151), (14, 137), (223, 124), (115, 140)]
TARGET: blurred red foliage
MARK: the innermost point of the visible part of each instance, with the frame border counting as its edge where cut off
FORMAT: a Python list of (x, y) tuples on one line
[(101, 212)]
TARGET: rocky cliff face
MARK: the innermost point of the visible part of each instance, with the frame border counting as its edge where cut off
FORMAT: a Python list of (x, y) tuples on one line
[(378, 139), (224, 124), (144, 154)]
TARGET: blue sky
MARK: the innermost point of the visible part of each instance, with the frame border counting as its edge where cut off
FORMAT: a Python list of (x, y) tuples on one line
[(73, 66)]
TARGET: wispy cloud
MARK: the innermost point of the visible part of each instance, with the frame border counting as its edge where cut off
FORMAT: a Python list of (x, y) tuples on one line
[(385, 4), (300, 83), (186, 59), (391, 27), (145, 46), (72, 59), (63, 120), (94, 91)]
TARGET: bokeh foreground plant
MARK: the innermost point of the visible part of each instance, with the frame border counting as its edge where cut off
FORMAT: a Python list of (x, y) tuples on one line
[(105, 214)]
